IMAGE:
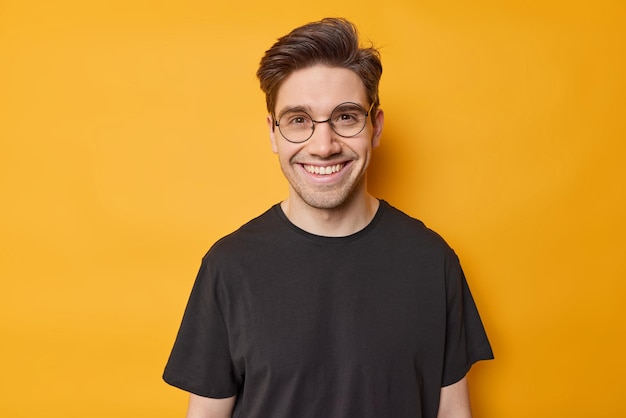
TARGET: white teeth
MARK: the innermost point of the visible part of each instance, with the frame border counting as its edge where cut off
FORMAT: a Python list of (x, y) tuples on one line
[(314, 169)]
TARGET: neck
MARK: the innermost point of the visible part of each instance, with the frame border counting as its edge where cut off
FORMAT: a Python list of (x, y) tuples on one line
[(341, 221)]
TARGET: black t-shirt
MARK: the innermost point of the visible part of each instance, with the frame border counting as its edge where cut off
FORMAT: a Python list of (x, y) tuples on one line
[(299, 325)]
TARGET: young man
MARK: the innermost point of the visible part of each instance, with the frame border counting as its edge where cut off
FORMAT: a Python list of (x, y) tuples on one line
[(332, 304)]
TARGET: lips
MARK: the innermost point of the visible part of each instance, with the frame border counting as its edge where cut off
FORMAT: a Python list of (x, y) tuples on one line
[(323, 170)]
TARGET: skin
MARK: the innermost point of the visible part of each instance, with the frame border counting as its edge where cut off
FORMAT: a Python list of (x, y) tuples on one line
[(454, 401), (337, 204), (201, 407)]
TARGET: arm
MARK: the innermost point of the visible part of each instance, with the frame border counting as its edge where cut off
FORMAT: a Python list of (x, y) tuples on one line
[(201, 407), (454, 402)]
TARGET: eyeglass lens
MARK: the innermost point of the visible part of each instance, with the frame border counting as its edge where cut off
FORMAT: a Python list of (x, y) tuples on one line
[(346, 120)]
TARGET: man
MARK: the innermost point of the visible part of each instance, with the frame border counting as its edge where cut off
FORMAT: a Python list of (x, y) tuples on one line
[(332, 303)]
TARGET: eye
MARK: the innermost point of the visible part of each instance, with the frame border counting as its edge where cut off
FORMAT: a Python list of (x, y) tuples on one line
[(295, 120), (347, 117)]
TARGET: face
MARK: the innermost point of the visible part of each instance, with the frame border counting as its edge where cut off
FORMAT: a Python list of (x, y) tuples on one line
[(327, 171)]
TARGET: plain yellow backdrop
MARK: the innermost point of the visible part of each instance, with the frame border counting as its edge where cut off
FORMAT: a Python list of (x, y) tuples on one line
[(133, 136)]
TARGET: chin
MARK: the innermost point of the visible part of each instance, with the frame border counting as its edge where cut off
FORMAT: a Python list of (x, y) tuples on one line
[(327, 201)]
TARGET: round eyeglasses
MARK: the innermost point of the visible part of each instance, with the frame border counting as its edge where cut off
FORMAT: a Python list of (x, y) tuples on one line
[(346, 120)]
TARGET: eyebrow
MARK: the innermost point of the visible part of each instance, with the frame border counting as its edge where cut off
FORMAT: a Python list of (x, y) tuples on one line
[(348, 106), (300, 108), (307, 109)]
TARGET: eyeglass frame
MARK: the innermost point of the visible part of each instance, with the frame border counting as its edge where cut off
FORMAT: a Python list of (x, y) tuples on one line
[(367, 113)]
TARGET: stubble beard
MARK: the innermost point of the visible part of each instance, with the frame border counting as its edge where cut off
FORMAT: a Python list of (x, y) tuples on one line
[(332, 197)]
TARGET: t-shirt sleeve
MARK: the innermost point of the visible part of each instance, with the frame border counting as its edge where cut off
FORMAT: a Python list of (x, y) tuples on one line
[(200, 360), (466, 339)]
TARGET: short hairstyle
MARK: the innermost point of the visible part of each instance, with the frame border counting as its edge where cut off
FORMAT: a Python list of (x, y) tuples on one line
[(333, 42)]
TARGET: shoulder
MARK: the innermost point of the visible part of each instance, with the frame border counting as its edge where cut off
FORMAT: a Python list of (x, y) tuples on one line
[(412, 240), (403, 228), (252, 234)]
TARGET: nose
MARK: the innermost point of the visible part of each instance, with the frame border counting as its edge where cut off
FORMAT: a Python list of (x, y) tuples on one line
[(323, 143)]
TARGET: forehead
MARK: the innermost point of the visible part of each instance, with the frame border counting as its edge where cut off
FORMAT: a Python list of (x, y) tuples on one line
[(320, 88)]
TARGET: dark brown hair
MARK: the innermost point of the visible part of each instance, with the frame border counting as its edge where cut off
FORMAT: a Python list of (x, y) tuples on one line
[(331, 41)]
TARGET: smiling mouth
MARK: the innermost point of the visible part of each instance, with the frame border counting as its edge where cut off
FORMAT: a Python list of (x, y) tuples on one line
[(330, 169)]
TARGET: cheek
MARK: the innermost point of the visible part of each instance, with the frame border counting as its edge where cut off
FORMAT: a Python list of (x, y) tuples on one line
[(365, 147), (285, 152)]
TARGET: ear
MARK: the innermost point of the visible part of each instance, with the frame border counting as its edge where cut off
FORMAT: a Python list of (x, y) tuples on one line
[(378, 127), (272, 128)]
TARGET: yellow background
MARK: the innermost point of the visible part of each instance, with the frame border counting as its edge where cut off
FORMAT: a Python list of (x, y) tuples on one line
[(133, 136)]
